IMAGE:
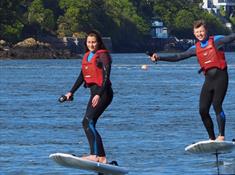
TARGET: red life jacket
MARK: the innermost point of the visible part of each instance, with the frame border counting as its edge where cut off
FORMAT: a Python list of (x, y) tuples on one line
[(92, 74), (209, 56)]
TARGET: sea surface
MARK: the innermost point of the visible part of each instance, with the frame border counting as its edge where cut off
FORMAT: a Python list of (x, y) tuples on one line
[(152, 118)]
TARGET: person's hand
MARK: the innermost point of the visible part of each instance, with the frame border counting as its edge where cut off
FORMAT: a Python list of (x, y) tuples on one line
[(154, 57), (68, 95), (95, 100)]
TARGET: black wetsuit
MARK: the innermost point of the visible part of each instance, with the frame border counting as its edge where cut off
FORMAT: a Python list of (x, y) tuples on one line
[(214, 88), (93, 113)]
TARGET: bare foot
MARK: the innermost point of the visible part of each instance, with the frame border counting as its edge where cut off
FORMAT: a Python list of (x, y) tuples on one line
[(102, 159), (91, 158), (220, 138)]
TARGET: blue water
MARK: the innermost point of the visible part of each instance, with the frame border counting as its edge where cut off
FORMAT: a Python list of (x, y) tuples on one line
[(153, 117)]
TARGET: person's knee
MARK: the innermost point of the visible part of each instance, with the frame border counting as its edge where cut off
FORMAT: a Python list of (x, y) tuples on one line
[(88, 123), (203, 112), (217, 107), (85, 123)]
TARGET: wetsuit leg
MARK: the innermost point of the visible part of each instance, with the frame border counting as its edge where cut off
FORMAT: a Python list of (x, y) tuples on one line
[(90, 119), (204, 108), (220, 89)]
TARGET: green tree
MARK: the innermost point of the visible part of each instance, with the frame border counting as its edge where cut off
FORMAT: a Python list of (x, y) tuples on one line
[(214, 24), (183, 24), (10, 23), (128, 22), (128, 28), (178, 16), (166, 10), (76, 17), (38, 14), (115, 18), (144, 8)]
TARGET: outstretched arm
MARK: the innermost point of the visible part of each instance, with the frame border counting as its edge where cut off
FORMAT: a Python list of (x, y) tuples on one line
[(221, 40), (175, 57)]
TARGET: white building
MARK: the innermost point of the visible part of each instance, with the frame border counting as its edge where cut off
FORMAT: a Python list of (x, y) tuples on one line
[(158, 30), (215, 5)]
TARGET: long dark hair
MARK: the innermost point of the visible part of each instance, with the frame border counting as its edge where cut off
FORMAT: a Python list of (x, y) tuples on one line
[(99, 40)]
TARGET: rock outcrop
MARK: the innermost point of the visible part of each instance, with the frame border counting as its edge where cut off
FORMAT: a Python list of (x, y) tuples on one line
[(30, 48)]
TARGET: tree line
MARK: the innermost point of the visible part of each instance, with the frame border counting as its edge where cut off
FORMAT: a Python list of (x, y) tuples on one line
[(127, 22)]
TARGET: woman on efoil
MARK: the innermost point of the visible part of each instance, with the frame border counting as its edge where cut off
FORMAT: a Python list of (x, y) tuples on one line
[(210, 55), (95, 74)]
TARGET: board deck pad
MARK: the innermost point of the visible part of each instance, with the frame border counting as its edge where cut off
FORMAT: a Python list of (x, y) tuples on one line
[(69, 160), (212, 147)]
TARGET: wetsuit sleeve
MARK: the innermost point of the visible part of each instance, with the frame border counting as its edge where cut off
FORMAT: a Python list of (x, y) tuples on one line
[(221, 40), (180, 56), (77, 83), (104, 61)]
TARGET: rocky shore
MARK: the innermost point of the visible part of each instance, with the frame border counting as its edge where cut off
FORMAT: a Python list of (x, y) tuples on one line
[(30, 48)]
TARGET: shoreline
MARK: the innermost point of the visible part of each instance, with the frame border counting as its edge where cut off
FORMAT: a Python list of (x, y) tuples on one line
[(72, 56), (38, 53)]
